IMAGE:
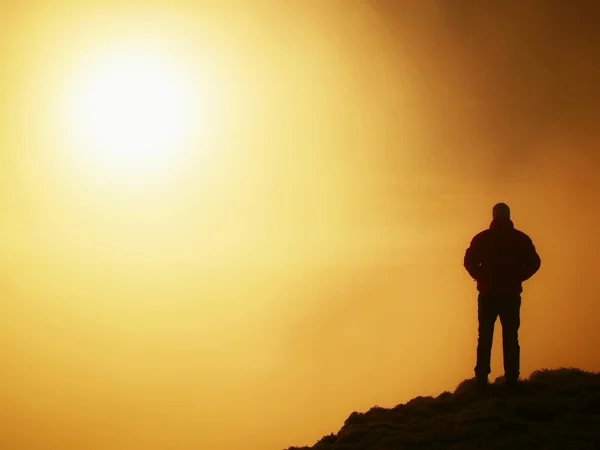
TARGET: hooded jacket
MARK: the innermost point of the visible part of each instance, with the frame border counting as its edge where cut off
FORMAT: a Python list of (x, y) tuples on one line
[(501, 258)]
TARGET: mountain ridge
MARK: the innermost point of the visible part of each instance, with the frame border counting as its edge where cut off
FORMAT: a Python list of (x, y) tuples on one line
[(552, 409)]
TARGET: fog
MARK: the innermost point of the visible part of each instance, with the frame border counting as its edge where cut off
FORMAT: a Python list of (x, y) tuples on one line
[(312, 265)]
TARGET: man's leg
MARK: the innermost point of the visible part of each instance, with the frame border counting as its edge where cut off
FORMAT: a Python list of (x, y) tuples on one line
[(486, 314), (511, 321)]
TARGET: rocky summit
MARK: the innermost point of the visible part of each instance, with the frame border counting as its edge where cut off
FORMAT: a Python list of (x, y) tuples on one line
[(552, 409)]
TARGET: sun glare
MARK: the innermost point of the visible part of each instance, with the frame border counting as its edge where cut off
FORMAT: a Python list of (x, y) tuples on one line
[(131, 112)]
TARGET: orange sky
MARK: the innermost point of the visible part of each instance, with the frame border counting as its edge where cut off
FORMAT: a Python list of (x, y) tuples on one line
[(306, 259)]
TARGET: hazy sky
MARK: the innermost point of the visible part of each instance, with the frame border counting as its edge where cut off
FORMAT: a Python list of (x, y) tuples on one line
[(302, 257)]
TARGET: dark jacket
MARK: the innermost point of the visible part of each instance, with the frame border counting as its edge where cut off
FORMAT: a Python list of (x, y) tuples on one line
[(501, 258)]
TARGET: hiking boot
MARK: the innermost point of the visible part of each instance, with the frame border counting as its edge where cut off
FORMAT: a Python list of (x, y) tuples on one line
[(512, 383), (482, 382)]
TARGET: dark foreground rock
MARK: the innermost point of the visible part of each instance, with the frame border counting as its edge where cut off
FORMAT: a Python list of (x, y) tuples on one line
[(553, 409)]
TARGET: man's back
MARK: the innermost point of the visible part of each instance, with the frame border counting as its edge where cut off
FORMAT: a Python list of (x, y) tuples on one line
[(501, 258)]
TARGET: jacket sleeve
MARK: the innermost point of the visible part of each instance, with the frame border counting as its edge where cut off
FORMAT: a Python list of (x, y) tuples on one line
[(472, 260), (532, 260)]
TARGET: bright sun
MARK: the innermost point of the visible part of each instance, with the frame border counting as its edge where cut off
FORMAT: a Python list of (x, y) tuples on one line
[(131, 112)]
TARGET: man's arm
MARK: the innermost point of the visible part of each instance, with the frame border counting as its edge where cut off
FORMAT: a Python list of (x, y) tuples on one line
[(472, 260), (532, 261)]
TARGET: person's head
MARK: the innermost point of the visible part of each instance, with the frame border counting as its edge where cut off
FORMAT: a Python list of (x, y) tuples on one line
[(501, 211)]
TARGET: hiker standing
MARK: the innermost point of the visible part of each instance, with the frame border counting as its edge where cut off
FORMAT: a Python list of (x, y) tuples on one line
[(500, 259)]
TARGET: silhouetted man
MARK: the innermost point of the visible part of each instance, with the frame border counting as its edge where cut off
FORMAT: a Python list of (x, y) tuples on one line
[(500, 259)]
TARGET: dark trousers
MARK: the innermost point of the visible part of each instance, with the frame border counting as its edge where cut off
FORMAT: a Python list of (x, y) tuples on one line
[(490, 307)]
